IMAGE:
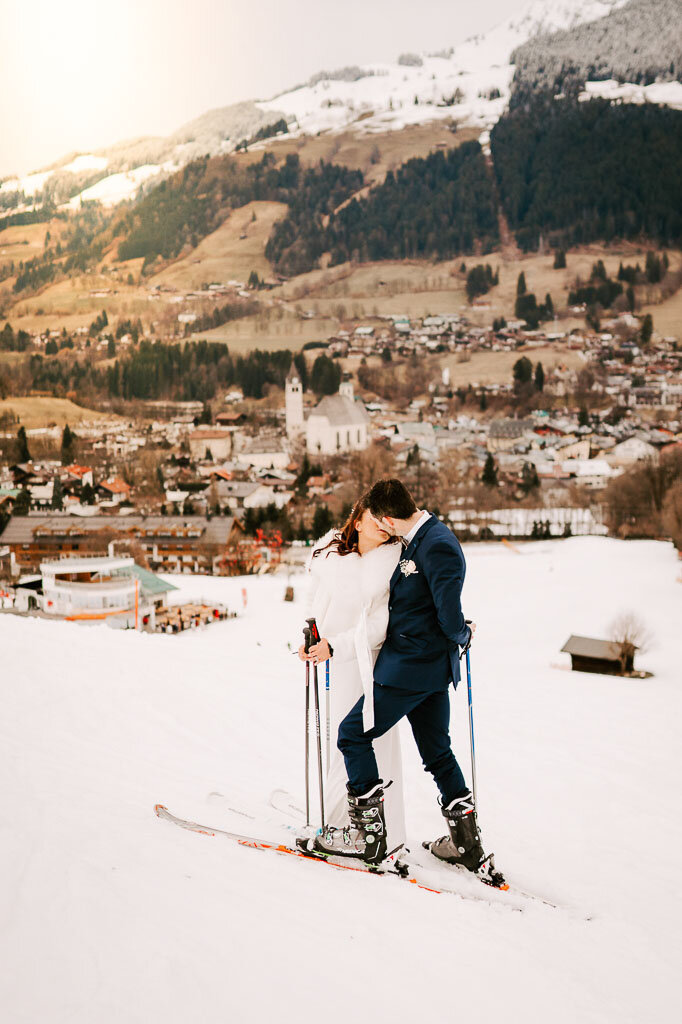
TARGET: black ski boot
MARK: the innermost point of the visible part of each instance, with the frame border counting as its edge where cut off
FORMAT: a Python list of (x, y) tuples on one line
[(365, 837), (462, 847)]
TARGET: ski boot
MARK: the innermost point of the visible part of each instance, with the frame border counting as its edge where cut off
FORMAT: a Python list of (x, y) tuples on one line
[(462, 847), (365, 837)]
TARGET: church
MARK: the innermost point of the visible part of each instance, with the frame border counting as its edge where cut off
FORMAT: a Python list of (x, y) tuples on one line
[(337, 424)]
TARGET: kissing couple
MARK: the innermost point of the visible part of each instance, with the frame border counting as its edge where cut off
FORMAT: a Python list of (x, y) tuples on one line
[(386, 594)]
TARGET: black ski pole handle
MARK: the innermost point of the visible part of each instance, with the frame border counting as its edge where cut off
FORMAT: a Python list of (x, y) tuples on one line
[(307, 639), (314, 631), (468, 643)]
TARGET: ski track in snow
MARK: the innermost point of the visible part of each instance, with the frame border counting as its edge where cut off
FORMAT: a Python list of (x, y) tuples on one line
[(108, 914)]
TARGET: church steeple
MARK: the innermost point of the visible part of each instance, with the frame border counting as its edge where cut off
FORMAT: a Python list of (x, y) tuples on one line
[(293, 402)]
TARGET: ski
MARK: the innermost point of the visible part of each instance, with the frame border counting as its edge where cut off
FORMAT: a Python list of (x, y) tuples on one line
[(336, 862), (284, 802)]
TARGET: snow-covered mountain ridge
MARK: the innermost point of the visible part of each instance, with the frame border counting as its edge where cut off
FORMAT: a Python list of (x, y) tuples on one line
[(469, 84)]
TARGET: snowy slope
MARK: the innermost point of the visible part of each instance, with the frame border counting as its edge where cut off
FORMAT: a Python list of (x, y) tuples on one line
[(391, 96), (110, 915)]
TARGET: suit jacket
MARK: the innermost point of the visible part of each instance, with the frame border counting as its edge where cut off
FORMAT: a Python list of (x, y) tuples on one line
[(426, 626)]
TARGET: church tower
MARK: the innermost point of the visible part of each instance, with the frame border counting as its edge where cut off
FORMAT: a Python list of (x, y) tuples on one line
[(346, 387), (293, 403)]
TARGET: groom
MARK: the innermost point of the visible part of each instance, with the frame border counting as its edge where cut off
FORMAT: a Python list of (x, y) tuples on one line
[(412, 675)]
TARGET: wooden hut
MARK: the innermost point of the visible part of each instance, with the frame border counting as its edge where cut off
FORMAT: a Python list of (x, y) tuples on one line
[(608, 657)]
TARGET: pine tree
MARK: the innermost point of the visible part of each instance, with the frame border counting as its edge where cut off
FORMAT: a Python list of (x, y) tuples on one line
[(539, 378), (523, 371), (57, 494), (22, 503), (322, 521), (489, 477), (521, 284), (23, 453), (560, 260), (646, 330), (68, 445), (583, 417), (549, 306)]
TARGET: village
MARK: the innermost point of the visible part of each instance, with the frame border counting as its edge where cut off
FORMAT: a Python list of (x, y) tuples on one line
[(238, 486)]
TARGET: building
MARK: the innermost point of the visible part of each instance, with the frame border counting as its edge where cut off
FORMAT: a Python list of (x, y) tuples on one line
[(506, 434), (115, 491), (194, 544), (607, 657), (210, 444), (626, 453), (110, 589), (293, 403), (337, 424)]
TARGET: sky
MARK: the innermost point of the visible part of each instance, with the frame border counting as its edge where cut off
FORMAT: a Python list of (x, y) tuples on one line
[(76, 75)]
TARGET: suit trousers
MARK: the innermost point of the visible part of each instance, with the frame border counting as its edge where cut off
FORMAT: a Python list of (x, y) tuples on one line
[(429, 716)]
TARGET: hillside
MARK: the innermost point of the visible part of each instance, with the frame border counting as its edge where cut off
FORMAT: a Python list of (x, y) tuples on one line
[(633, 43), (469, 83), (130, 918)]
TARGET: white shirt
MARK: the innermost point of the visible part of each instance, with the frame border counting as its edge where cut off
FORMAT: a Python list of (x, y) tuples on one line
[(409, 537)]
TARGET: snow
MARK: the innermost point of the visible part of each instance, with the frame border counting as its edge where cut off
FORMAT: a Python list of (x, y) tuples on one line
[(124, 917), (29, 185), (385, 98), (667, 94), (86, 162), (115, 188)]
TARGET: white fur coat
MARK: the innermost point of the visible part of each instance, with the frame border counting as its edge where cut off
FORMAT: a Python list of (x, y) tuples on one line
[(349, 599)]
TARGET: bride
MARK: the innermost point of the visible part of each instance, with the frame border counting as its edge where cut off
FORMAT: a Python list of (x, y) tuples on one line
[(350, 571)]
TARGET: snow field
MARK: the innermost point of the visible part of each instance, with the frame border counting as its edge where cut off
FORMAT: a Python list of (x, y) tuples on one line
[(122, 917)]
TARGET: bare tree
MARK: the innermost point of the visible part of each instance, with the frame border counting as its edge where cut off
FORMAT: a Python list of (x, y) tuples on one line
[(632, 633)]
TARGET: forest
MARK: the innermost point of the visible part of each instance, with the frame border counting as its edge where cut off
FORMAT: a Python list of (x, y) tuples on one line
[(570, 173), (195, 201), (433, 207)]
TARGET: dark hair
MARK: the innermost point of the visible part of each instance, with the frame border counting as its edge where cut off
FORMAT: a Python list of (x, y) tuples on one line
[(345, 541), (390, 498)]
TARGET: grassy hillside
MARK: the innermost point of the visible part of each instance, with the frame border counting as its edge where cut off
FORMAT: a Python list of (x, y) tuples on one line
[(47, 412)]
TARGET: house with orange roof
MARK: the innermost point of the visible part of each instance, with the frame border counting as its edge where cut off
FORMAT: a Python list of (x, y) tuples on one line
[(114, 491)]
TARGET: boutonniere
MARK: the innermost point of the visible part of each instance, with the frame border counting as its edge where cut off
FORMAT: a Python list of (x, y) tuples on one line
[(407, 567)]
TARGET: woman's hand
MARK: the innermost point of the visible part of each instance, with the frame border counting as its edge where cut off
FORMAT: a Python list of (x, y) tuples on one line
[(302, 653), (319, 652)]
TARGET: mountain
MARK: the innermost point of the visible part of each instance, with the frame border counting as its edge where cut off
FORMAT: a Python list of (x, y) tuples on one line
[(469, 84), (638, 43)]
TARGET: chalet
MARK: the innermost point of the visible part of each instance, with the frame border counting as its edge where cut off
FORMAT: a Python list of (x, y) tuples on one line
[(607, 657), (115, 491), (78, 475), (169, 543)]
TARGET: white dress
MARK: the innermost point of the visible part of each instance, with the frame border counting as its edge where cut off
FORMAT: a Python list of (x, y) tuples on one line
[(349, 599)]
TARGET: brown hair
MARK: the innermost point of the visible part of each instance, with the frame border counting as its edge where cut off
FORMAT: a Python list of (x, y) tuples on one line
[(390, 497), (345, 542)]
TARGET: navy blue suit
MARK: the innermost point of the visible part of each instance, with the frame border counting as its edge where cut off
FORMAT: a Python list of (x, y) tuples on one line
[(417, 663)]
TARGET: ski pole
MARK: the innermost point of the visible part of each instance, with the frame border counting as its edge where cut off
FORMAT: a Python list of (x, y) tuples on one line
[(319, 742), (315, 634), (471, 731), (306, 640), (328, 714)]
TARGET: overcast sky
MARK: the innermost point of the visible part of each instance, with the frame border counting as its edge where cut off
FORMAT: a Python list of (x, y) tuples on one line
[(80, 74)]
